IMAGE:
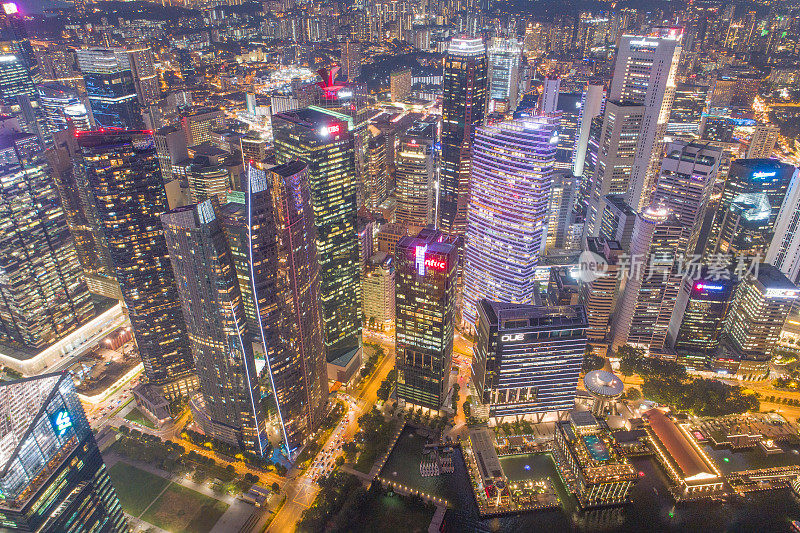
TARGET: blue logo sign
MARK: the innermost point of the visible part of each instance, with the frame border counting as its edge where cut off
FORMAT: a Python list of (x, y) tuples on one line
[(61, 421), (763, 174)]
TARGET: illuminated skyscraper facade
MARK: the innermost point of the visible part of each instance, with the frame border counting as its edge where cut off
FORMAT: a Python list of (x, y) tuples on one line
[(425, 294), (273, 242), (52, 476), (229, 406), (43, 295), (323, 140), (128, 197), (700, 312), (744, 223), (414, 177), (504, 57), (651, 282), (528, 357), (110, 86), (636, 117), (762, 303), (463, 110), (510, 184)]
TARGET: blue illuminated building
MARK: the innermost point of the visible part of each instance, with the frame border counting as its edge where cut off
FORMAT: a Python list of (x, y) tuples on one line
[(110, 87), (53, 479), (745, 219)]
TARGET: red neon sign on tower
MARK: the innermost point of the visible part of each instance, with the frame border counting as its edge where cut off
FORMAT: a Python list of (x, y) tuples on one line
[(436, 264)]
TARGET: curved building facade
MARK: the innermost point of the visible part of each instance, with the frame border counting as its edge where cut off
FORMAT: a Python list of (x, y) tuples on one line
[(507, 217)]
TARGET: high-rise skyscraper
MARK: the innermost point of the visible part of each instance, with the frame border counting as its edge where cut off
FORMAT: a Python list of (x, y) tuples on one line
[(562, 197), (784, 249), (760, 307), (591, 108), (528, 357), (127, 194), (52, 478), (636, 117), (323, 140), (425, 277), (145, 78), (504, 57), (599, 292), (15, 79), (228, 407), (510, 184), (110, 86), (414, 177), (351, 59), (763, 141), (685, 183), (744, 223), (651, 281), (463, 109), (376, 178), (700, 312), (272, 238), (63, 108), (43, 295)]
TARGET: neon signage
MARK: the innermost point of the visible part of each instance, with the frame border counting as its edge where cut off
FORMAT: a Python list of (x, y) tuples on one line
[(436, 264), (10, 8), (333, 129), (61, 421), (511, 338), (699, 286), (762, 174)]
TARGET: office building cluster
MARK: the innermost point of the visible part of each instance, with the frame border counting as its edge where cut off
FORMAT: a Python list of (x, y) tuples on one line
[(483, 187)]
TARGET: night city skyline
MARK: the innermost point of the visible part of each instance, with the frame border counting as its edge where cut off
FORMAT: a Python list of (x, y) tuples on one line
[(383, 265)]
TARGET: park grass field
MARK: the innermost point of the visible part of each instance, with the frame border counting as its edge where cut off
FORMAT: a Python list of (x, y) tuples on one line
[(176, 509)]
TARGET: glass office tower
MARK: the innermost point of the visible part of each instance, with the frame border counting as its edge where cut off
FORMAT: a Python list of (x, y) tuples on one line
[(53, 479), (323, 140), (127, 195), (425, 289)]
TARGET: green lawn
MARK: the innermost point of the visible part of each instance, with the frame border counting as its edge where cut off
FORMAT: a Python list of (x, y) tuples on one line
[(135, 487), (135, 415), (182, 510)]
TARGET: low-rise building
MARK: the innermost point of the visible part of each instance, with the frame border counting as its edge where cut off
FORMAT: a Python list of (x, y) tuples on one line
[(590, 461)]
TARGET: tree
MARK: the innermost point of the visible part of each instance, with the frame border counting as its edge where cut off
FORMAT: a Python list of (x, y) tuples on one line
[(592, 362), (633, 394), (467, 408), (275, 487)]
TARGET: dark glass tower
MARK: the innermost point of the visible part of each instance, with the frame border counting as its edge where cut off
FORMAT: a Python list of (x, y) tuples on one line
[(229, 405), (745, 219), (463, 110), (127, 193), (425, 288), (43, 295), (273, 242), (111, 88), (322, 139), (52, 476)]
